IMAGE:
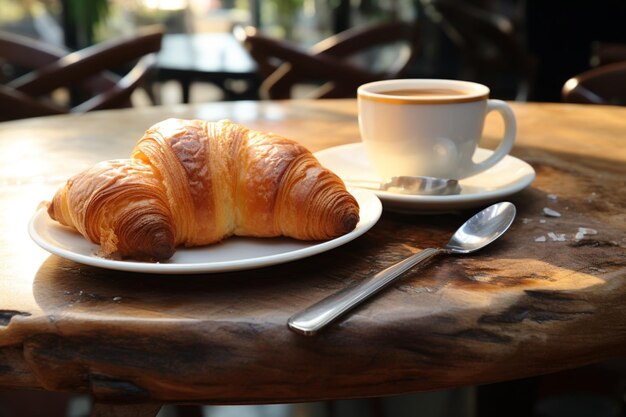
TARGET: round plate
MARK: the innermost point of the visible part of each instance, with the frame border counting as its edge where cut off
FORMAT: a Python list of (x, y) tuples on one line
[(234, 253), (507, 177)]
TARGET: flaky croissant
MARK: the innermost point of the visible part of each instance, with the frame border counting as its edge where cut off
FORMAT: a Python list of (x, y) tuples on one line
[(192, 183)]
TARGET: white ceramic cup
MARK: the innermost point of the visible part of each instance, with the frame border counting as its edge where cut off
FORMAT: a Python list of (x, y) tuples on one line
[(431, 130)]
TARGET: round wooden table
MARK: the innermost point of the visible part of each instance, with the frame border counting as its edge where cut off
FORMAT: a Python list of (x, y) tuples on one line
[(518, 308)]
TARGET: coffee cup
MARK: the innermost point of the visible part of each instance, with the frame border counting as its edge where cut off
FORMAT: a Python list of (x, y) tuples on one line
[(429, 127)]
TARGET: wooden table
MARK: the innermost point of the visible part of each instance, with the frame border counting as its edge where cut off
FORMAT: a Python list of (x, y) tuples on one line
[(516, 309), (217, 58)]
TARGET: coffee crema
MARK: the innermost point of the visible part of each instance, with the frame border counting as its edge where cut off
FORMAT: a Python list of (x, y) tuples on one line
[(423, 92)]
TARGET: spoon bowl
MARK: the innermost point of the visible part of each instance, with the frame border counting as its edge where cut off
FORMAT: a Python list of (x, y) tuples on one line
[(482, 228), (476, 233)]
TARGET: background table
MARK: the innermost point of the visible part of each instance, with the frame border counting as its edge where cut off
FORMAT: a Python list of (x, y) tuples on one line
[(216, 58), (516, 309)]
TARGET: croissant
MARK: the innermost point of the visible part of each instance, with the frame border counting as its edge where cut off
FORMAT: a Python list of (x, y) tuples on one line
[(192, 183)]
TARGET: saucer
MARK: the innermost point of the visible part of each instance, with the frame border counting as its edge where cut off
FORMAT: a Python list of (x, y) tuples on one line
[(507, 177)]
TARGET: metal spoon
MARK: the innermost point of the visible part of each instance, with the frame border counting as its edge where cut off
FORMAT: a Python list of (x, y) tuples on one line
[(476, 233), (411, 185)]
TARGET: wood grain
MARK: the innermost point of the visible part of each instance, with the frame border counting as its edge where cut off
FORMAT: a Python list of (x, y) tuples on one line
[(516, 309)]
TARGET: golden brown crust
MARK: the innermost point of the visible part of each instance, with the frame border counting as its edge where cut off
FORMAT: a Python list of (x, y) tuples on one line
[(190, 182), (120, 205)]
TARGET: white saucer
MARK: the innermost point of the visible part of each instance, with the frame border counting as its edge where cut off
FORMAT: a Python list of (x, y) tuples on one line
[(507, 177), (233, 254)]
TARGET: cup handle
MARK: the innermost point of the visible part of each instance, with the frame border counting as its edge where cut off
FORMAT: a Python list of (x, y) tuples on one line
[(507, 141)]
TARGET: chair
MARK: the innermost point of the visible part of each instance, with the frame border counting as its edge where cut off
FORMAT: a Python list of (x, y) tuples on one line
[(601, 85), (489, 44), (25, 54), (608, 53), (87, 74), (340, 63)]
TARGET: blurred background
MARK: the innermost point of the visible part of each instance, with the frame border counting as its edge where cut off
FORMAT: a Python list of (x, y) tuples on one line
[(522, 49)]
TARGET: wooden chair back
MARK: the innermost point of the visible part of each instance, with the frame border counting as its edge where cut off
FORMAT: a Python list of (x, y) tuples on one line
[(86, 73), (17, 105), (26, 53), (601, 85), (334, 62)]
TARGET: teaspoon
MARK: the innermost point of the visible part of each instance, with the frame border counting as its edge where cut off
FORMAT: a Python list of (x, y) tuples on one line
[(411, 185), (476, 233)]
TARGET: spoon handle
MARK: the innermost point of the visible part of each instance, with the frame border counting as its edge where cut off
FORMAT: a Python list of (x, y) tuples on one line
[(317, 316)]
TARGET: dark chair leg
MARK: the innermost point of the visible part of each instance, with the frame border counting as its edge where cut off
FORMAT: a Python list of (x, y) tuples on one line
[(125, 410), (189, 410)]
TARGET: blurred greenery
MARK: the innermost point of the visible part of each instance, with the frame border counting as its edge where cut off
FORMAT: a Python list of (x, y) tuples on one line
[(83, 18), (286, 12)]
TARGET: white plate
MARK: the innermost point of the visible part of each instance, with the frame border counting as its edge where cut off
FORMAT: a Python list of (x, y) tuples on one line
[(233, 254), (507, 177)]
